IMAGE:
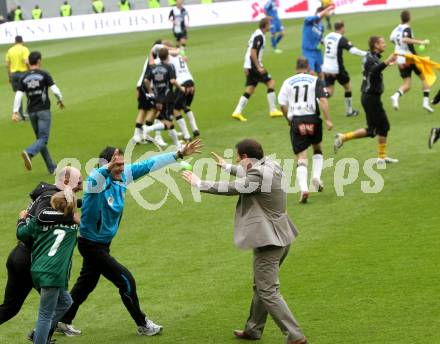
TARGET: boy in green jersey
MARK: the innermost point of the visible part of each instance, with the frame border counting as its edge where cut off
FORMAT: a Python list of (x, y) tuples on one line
[(52, 251)]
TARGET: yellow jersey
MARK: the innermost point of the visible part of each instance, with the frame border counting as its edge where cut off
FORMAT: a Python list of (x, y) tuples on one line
[(17, 57)]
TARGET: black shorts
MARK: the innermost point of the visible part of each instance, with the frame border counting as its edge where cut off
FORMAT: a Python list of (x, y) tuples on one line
[(180, 35), (144, 102), (253, 77), (165, 108), (184, 100), (305, 131), (342, 77), (406, 70), (377, 120)]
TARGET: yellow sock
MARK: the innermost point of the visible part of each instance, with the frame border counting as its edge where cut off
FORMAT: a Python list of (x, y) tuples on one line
[(382, 150), (348, 136)]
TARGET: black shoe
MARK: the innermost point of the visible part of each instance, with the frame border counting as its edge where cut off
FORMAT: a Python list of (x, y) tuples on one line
[(196, 133), (353, 113), (31, 334), (433, 136), (436, 99)]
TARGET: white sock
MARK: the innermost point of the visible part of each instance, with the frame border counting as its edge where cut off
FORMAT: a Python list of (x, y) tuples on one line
[(157, 126), (241, 104), (192, 120), (271, 99), (301, 177), (174, 137), (182, 124), (426, 97), (348, 105), (318, 162), (137, 131), (398, 94)]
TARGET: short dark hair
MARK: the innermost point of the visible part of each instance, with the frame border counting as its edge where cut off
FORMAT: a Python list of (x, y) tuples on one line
[(302, 63), (405, 16), (264, 22), (320, 9), (106, 155), (18, 39), (339, 25), (157, 41), (372, 41), (251, 148), (34, 57), (163, 54)]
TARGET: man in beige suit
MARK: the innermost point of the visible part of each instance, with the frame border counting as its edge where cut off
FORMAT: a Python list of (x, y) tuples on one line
[(261, 224)]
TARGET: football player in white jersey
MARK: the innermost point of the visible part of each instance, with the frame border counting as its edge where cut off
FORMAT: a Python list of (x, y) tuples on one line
[(301, 98), (256, 73), (183, 100), (333, 66), (403, 39), (145, 102), (180, 19)]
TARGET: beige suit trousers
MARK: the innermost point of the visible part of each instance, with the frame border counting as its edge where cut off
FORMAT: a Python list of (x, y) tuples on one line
[(267, 298)]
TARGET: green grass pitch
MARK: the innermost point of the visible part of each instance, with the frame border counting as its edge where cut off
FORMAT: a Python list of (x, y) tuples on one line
[(365, 266)]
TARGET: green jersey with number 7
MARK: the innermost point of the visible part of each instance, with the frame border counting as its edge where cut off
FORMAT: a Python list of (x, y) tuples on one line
[(52, 251)]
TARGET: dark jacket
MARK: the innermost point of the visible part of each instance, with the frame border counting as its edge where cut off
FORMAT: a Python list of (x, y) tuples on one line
[(372, 82)]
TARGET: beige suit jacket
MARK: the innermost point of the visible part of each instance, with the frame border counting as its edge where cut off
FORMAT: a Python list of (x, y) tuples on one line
[(261, 218)]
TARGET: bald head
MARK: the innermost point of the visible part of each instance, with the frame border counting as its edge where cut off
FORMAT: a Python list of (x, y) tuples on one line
[(69, 176)]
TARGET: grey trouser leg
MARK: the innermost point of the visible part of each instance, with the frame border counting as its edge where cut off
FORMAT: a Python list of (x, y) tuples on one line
[(267, 298)]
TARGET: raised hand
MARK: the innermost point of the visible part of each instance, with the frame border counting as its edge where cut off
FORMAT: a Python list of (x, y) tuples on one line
[(218, 159), (192, 147), (191, 178)]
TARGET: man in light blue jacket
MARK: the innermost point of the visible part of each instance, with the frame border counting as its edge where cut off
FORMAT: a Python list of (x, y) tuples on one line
[(102, 208)]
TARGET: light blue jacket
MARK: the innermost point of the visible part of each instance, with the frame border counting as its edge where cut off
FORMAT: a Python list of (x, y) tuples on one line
[(103, 201)]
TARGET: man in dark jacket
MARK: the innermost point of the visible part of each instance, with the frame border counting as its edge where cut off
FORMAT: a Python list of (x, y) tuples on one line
[(372, 89), (19, 282)]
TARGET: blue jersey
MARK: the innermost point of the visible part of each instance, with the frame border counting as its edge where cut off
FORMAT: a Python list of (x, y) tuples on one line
[(313, 32), (271, 9), (104, 197)]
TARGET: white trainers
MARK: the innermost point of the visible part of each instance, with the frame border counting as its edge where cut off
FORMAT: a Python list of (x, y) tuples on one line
[(145, 134), (318, 185), (395, 101), (338, 142), (160, 141), (137, 136), (67, 329), (387, 160), (150, 329), (427, 107)]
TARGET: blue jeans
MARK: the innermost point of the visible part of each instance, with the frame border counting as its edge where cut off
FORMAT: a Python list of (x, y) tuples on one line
[(40, 121), (54, 302), (15, 82)]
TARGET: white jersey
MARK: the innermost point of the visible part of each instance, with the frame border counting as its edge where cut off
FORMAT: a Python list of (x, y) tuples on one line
[(399, 33), (156, 48), (331, 44), (335, 44), (257, 42), (300, 93), (182, 71)]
